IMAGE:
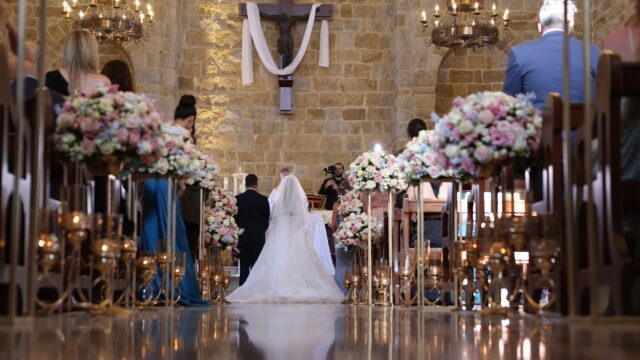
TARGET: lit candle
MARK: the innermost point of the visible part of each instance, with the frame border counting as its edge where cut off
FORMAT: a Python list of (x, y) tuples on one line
[(81, 14), (141, 17), (436, 23), (117, 5), (424, 16), (75, 2), (476, 6), (65, 5), (505, 17), (437, 10), (493, 8), (137, 3), (100, 16), (124, 17), (463, 256), (454, 6), (148, 7)]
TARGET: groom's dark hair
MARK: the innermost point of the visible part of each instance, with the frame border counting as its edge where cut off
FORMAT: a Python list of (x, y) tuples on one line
[(251, 181)]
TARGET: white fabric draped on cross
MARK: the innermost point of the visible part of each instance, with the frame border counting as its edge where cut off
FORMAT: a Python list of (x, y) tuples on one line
[(252, 29)]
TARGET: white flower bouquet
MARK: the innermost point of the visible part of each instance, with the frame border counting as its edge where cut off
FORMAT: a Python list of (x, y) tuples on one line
[(484, 130), (353, 232), (419, 161), (109, 123), (376, 171)]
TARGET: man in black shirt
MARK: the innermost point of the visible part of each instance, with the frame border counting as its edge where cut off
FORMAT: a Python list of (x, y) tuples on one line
[(331, 186)]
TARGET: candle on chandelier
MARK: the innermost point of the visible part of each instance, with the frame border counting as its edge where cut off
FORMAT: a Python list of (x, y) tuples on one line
[(505, 17), (424, 16), (437, 10), (476, 6), (141, 17), (75, 3), (81, 14), (137, 3), (117, 4), (455, 7), (65, 7), (493, 9)]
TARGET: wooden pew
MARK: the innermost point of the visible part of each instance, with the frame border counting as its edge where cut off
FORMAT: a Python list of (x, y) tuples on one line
[(616, 80), (548, 158), (548, 167)]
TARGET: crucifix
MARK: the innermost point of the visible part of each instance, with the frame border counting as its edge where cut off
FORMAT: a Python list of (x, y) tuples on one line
[(286, 13)]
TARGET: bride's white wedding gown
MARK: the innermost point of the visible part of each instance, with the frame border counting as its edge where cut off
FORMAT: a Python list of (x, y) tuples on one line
[(288, 269)]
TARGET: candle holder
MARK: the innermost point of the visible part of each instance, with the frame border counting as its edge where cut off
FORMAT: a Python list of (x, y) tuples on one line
[(382, 283), (433, 295), (204, 278), (179, 270), (128, 251), (73, 218), (146, 269), (217, 276), (165, 262), (406, 275), (105, 250), (353, 279)]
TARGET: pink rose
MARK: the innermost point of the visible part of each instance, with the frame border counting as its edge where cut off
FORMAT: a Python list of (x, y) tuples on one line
[(483, 154)]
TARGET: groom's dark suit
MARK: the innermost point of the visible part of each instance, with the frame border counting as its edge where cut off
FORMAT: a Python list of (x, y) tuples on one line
[(253, 217)]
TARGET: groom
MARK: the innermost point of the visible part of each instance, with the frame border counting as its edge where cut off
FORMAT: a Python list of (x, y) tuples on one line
[(253, 217)]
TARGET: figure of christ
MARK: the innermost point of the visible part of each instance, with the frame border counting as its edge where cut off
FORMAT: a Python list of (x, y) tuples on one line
[(285, 40)]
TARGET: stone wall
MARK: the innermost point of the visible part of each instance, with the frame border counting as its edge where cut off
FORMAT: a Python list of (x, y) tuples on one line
[(382, 74), (339, 112)]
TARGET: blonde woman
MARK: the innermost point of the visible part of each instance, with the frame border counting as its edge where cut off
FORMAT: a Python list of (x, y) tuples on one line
[(80, 69)]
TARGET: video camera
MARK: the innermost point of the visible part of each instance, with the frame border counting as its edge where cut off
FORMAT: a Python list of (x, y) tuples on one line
[(331, 169)]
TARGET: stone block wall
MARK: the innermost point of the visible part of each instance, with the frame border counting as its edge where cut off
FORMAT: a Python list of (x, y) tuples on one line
[(382, 74)]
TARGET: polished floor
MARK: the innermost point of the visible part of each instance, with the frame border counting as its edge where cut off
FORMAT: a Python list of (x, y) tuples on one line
[(296, 331)]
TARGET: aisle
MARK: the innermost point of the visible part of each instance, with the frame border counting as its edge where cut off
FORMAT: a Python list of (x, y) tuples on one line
[(281, 331)]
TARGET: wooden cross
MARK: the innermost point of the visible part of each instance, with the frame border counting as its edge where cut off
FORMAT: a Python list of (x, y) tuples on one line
[(286, 13)]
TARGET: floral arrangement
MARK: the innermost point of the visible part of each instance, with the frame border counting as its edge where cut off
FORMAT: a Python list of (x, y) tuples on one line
[(485, 129), (221, 229), (180, 156), (350, 203), (376, 171), (109, 122), (418, 160), (205, 176), (353, 232)]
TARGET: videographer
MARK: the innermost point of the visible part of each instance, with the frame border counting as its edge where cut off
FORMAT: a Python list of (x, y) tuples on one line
[(331, 186)]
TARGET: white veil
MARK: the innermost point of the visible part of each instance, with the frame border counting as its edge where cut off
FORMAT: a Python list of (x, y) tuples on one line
[(290, 204)]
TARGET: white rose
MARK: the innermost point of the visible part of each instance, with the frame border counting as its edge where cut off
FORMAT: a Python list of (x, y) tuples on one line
[(466, 127), (452, 150)]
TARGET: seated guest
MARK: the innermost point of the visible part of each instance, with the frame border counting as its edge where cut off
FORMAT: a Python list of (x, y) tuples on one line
[(430, 191), (331, 186), (119, 73), (80, 69), (537, 66)]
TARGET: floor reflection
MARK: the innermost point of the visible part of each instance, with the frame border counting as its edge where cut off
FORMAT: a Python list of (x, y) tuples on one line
[(278, 331)]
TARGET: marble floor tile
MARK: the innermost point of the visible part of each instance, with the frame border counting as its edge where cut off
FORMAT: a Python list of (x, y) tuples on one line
[(313, 331)]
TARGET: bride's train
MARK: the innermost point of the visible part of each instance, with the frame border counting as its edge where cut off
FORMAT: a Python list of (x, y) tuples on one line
[(288, 269)]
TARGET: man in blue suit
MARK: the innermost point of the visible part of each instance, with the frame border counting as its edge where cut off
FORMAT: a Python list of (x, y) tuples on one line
[(537, 66)]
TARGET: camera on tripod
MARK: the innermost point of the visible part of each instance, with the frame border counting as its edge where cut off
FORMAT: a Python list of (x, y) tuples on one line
[(331, 169)]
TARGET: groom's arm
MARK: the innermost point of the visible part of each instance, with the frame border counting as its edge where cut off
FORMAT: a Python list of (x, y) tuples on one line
[(267, 214)]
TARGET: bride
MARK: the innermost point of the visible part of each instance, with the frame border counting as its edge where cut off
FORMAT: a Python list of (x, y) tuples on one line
[(288, 269)]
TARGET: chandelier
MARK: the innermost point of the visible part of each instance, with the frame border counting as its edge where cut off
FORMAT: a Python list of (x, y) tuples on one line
[(110, 20), (465, 24)]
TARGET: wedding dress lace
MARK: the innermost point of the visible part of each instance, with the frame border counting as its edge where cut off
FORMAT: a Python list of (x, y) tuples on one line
[(288, 269)]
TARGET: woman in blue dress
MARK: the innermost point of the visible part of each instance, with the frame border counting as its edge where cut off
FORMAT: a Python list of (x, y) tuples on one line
[(155, 216)]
